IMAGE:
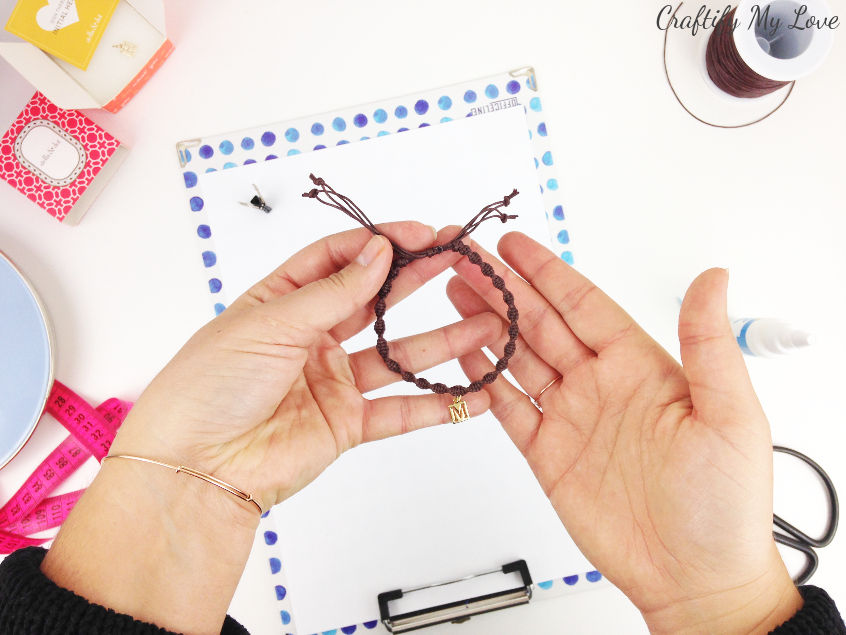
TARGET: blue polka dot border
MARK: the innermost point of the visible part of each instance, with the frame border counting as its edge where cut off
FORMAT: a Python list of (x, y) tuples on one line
[(296, 137), (568, 582)]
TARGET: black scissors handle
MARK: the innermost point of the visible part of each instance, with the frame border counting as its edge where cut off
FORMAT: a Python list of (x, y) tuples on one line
[(796, 538), (812, 560)]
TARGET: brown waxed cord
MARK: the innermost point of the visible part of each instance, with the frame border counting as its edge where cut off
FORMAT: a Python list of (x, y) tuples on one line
[(727, 69), (403, 257)]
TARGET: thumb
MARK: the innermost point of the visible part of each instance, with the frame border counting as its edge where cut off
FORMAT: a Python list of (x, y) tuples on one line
[(720, 388), (324, 303)]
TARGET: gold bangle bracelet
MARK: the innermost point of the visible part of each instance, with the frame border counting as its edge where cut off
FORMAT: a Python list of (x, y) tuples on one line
[(244, 496)]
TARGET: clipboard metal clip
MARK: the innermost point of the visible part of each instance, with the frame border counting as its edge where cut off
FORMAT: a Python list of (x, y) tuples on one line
[(461, 610)]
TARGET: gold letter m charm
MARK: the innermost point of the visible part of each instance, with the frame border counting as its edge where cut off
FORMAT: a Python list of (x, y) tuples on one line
[(458, 410)]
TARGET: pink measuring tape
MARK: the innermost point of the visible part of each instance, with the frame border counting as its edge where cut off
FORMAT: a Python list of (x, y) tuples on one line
[(92, 432)]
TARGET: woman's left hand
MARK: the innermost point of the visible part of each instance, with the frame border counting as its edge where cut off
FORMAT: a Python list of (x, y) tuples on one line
[(265, 398)]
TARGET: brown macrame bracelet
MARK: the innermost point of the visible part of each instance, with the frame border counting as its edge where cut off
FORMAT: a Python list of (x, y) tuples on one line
[(439, 388), (403, 257)]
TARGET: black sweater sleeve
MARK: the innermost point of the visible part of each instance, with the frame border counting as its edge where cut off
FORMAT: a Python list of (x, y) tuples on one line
[(32, 604), (818, 615)]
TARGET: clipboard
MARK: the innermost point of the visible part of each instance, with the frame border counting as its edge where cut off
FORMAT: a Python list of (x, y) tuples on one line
[(478, 98)]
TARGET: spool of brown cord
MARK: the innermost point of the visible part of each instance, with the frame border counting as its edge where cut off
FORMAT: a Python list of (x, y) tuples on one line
[(727, 69)]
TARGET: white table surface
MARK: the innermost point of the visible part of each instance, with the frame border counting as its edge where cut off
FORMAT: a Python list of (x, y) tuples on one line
[(651, 195)]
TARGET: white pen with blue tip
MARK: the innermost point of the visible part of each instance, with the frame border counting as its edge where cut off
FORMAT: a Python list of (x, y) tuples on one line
[(768, 337)]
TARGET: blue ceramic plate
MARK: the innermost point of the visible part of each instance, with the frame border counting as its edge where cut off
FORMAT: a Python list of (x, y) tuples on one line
[(26, 360)]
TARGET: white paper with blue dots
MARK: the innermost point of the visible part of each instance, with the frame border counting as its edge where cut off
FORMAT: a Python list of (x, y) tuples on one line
[(356, 124)]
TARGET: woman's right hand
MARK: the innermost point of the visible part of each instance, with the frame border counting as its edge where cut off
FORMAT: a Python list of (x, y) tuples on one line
[(662, 474)]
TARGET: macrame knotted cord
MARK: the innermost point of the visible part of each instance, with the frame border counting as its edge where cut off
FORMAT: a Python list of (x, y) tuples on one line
[(403, 257)]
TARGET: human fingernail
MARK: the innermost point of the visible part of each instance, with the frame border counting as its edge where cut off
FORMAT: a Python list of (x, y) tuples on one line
[(434, 232), (370, 251)]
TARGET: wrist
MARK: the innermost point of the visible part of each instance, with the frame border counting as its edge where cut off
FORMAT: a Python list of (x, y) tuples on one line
[(755, 607), (185, 540), (140, 436), (185, 502)]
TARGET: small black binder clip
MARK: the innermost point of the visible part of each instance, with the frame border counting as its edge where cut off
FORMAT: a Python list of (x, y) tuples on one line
[(460, 610), (258, 202)]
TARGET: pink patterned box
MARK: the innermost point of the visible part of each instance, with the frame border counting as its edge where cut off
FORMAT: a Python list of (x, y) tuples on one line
[(59, 159)]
